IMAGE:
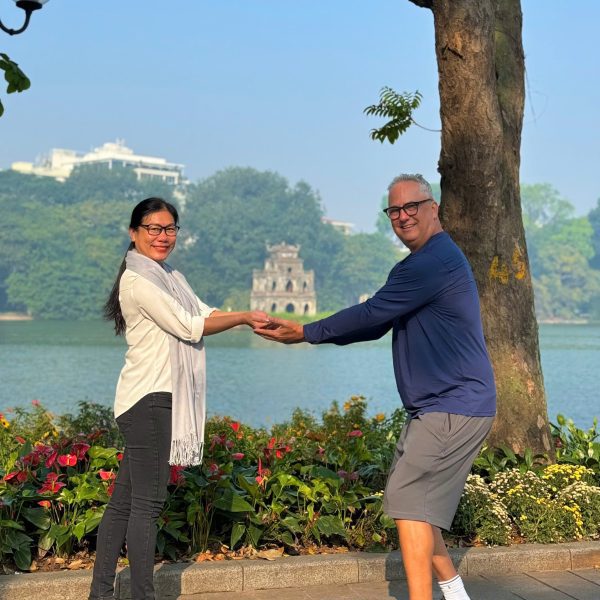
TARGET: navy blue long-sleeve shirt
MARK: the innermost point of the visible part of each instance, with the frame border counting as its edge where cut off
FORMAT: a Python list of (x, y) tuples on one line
[(430, 302)]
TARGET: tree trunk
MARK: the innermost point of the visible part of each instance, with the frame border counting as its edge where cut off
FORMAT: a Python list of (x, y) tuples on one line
[(481, 81)]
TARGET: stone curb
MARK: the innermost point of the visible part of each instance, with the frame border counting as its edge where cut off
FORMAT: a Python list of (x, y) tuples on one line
[(235, 576)]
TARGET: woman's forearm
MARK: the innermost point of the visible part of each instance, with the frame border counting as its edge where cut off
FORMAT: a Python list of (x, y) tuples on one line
[(219, 320)]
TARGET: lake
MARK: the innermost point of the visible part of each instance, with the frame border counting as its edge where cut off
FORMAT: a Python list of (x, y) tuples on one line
[(258, 382)]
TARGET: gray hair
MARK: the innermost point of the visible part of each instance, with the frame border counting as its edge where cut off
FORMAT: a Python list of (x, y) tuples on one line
[(418, 178)]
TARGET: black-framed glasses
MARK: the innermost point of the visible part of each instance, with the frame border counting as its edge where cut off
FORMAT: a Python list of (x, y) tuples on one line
[(154, 230), (410, 208)]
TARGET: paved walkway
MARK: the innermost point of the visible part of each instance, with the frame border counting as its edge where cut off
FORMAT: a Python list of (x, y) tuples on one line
[(583, 584), (522, 572)]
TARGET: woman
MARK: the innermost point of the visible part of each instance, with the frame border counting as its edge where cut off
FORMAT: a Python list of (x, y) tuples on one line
[(160, 397)]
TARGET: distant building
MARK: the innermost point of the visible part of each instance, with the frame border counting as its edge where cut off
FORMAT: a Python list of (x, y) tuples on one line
[(59, 163), (343, 226), (283, 285)]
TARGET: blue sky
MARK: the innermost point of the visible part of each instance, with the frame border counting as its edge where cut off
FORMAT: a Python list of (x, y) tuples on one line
[(281, 85)]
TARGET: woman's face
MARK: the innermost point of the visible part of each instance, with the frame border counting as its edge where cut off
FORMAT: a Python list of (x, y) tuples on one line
[(156, 247)]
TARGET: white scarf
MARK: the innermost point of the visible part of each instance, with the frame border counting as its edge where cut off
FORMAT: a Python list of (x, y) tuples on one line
[(187, 364)]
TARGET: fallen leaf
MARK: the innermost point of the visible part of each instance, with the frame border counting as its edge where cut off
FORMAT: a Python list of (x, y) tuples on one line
[(271, 554)]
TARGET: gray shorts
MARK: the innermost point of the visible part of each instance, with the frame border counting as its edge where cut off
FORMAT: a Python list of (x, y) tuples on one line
[(433, 458)]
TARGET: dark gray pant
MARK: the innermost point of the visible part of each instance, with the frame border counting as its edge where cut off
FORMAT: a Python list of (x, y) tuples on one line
[(138, 497)]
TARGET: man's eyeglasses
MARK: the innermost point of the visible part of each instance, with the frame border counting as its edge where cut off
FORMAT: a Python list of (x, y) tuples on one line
[(410, 208), (154, 230)]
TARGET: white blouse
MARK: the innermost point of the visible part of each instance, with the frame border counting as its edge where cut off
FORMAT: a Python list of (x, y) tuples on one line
[(150, 314)]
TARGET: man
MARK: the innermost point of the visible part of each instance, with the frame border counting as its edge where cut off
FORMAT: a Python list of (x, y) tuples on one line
[(442, 371)]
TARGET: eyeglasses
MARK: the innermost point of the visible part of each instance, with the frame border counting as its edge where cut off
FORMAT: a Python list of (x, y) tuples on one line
[(154, 230), (411, 209)]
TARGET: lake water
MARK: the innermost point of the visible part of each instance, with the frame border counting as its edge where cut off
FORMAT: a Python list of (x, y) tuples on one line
[(260, 383)]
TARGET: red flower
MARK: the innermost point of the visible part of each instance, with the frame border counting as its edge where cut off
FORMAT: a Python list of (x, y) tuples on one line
[(237, 455), (51, 484), (67, 460), (120, 456), (176, 476), (235, 426), (51, 459), (18, 476), (80, 449), (213, 468), (20, 439), (106, 475), (45, 503), (271, 443), (355, 433), (279, 453), (110, 489)]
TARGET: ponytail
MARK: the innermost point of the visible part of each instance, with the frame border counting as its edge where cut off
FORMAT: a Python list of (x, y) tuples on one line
[(112, 308)]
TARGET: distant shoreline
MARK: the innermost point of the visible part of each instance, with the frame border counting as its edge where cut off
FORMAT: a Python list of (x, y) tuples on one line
[(14, 316)]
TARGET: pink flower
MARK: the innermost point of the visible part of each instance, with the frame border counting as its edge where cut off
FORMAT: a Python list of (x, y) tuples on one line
[(355, 433), (229, 444), (35, 402), (106, 475), (213, 468), (237, 455), (343, 474), (67, 460)]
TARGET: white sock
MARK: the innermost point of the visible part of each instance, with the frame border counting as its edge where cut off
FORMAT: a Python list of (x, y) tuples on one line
[(453, 589)]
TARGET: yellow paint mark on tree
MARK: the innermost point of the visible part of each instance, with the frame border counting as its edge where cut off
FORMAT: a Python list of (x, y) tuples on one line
[(519, 263), (500, 271)]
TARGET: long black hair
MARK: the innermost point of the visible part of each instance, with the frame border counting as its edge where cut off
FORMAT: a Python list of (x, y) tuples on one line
[(112, 308)]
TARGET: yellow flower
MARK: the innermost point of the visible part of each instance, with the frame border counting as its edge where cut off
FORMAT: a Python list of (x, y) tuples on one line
[(380, 417), (4, 422)]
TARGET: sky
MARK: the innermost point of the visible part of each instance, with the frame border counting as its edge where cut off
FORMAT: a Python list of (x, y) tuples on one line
[(281, 85)]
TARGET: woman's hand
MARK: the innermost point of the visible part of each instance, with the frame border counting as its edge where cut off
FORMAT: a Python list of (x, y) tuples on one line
[(256, 318)]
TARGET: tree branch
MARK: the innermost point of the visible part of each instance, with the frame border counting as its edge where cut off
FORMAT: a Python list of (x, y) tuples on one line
[(423, 3)]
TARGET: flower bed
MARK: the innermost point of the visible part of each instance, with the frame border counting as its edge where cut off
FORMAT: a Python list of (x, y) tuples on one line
[(304, 484)]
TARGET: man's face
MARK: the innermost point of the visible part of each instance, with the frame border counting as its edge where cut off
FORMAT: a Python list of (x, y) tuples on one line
[(413, 231)]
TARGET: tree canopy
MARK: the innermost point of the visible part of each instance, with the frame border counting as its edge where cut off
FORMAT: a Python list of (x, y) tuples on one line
[(62, 243)]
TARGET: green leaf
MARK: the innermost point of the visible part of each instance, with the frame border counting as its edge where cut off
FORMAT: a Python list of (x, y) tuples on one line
[(292, 524), (22, 556), (287, 539), (254, 534), (232, 502), (38, 516), (237, 531), (331, 525)]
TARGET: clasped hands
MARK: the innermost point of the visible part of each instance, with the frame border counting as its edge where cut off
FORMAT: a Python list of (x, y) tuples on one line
[(276, 330)]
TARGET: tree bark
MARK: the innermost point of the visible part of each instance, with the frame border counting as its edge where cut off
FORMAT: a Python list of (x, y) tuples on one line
[(481, 81)]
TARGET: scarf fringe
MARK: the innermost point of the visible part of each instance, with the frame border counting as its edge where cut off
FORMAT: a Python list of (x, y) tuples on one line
[(187, 451)]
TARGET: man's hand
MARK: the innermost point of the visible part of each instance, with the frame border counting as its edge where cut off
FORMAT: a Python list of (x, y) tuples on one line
[(281, 330)]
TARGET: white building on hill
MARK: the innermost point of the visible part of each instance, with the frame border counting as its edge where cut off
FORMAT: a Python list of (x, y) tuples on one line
[(59, 163)]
